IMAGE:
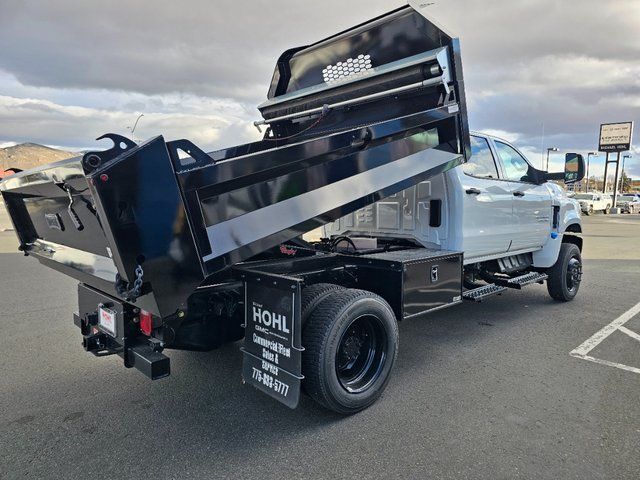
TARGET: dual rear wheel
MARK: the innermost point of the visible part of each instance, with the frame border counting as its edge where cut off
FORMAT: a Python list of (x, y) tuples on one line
[(351, 343), (351, 337)]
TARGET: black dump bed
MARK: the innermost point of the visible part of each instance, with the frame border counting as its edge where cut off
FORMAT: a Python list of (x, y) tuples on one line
[(351, 120)]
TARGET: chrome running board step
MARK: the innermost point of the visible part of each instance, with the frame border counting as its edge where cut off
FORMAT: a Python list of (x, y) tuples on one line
[(480, 293), (523, 280)]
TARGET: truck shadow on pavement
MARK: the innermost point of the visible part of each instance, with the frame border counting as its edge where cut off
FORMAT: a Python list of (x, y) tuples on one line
[(206, 389)]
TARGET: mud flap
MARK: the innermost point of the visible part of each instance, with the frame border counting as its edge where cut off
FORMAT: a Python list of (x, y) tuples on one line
[(272, 346)]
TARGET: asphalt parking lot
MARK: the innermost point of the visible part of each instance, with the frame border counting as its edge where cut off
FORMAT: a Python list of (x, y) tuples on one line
[(489, 391)]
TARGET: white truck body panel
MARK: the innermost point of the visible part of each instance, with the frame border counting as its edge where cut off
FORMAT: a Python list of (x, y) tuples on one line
[(494, 217)]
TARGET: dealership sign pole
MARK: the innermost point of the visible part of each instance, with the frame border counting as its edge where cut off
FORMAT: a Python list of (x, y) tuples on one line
[(614, 137)]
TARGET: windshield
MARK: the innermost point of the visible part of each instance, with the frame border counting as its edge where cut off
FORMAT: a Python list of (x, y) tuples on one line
[(583, 196), (627, 198)]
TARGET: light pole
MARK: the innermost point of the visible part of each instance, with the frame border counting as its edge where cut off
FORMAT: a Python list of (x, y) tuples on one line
[(590, 154), (624, 157), (549, 150), (134, 126)]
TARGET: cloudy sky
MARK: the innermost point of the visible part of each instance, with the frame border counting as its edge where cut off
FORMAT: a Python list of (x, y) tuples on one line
[(70, 70)]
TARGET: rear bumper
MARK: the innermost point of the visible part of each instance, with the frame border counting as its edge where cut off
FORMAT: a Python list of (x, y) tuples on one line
[(136, 350)]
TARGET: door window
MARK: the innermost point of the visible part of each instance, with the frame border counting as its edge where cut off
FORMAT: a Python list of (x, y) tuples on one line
[(515, 166), (481, 164)]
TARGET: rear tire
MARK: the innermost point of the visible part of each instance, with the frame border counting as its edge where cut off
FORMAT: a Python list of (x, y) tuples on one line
[(566, 275), (607, 210), (313, 295), (351, 343)]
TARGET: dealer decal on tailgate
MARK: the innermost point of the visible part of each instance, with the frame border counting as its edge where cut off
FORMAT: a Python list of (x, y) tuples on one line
[(272, 352)]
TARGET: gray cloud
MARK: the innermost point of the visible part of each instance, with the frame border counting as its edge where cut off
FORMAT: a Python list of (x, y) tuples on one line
[(41, 121), (223, 49)]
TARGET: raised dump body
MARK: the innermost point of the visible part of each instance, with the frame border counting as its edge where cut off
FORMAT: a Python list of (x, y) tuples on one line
[(153, 229), (352, 119)]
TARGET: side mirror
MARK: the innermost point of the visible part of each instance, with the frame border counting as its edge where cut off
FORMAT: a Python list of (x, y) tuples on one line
[(573, 168)]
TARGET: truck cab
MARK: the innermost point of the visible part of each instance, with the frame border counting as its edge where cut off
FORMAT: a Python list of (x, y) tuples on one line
[(506, 210), (496, 206)]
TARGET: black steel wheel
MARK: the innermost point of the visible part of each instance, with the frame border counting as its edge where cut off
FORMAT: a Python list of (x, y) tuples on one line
[(566, 275), (351, 342), (361, 353), (574, 274)]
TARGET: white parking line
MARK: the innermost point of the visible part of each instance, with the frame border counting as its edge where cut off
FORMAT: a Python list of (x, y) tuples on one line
[(596, 339), (631, 333), (608, 363)]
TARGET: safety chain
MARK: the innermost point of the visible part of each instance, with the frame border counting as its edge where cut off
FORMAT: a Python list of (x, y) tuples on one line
[(122, 287)]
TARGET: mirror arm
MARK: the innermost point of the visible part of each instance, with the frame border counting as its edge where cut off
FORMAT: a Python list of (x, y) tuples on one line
[(554, 176), (539, 176)]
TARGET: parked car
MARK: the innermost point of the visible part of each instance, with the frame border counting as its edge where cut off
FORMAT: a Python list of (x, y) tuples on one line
[(629, 204), (594, 202)]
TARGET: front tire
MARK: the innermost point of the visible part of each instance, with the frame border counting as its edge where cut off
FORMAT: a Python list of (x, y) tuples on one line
[(607, 210), (351, 343), (566, 275)]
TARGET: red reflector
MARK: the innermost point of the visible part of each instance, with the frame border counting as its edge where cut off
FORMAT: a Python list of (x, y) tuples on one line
[(146, 322)]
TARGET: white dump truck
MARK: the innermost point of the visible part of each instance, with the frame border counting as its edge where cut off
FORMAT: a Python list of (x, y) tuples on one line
[(367, 136)]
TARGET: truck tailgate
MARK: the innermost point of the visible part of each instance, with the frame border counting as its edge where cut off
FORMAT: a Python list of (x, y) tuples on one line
[(99, 225), (55, 218)]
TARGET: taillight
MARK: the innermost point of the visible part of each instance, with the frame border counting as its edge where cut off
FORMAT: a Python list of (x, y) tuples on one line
[(146, 322)]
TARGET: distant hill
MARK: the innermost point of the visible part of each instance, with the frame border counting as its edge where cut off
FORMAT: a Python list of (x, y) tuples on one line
[(30, 155)]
